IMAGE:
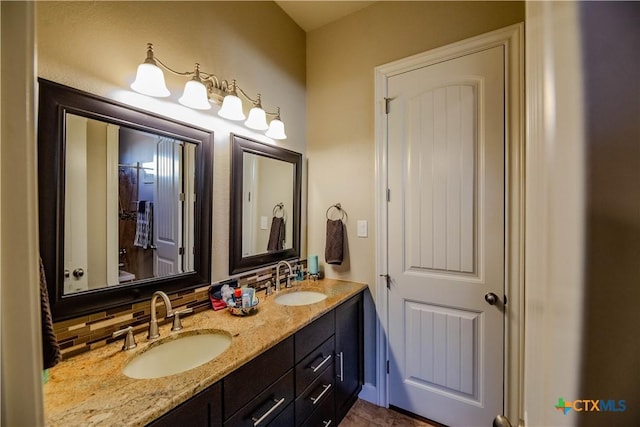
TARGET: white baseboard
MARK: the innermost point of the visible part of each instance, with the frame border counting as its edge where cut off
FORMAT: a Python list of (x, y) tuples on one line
[(369, 393)]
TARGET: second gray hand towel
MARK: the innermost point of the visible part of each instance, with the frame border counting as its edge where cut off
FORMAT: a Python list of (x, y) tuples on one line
[(334, 249)]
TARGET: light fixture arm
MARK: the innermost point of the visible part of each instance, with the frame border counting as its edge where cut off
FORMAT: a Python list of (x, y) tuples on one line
[(215, 90), (257, 102)]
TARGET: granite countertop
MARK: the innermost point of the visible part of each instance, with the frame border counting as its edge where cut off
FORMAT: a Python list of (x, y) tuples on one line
[(91, 390)]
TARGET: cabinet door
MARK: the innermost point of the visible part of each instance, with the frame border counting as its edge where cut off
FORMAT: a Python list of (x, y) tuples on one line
[(202, 410), (349, 354)]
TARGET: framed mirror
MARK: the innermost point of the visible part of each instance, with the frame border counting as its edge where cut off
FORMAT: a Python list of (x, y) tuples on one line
[(124, 202), (265, 204)]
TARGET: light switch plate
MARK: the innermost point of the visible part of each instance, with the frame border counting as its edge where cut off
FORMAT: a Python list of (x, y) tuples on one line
[(263, 223), (363, 228)]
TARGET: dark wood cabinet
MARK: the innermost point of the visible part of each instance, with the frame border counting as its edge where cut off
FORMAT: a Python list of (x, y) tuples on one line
[(315, 395), (310, 379), (204, 409), (257, 392), (251, 379), (266, 406), (349, 354)]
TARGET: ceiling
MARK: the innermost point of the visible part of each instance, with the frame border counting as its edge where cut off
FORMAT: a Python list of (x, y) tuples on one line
[(310, 15)]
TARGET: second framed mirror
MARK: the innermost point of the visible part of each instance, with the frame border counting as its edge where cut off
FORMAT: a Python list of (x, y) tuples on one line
[(265, 204)]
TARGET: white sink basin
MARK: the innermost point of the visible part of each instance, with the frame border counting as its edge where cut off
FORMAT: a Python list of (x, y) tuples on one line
[(178, 355), (300, 298)]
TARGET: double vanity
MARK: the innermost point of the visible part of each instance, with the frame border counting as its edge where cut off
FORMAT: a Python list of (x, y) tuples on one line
[(297, 361)]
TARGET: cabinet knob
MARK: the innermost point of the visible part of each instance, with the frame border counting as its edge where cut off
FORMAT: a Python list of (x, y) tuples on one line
[(78, 273)]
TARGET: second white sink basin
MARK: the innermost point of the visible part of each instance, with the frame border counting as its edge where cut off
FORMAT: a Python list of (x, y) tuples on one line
[(178, 355), (300, 298)]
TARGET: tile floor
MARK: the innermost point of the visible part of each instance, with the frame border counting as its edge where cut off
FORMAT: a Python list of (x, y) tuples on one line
[(367, 414)]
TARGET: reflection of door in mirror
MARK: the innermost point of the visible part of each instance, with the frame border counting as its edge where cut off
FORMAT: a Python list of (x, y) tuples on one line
[(129, 205), (91, 145), (249, 233), (155, 173), (267, 204)]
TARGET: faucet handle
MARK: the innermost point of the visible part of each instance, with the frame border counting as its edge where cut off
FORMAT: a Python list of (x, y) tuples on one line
[(269, 289), (177, 323), (129, 339)]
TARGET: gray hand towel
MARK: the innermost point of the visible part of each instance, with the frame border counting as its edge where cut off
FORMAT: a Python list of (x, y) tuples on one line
[(334, 249), (50, 348), (276, 234)]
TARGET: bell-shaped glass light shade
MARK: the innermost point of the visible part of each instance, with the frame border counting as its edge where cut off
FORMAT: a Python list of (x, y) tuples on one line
[(150, 81), (257, 119), (276, 130), (195, 96), (231, 108)]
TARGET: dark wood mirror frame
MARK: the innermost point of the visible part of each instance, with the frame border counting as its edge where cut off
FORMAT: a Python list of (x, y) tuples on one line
[(241, 145), (55, 100)]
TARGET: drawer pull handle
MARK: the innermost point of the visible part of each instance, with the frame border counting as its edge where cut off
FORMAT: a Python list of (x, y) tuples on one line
[(325, 360), (257, 421), (326, 423), (341, 376), (326, 389)]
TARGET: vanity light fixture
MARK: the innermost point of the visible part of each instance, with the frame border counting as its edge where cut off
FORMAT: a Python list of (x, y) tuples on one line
[(257, 117), (204, 88), (195, 93), (276, 128)]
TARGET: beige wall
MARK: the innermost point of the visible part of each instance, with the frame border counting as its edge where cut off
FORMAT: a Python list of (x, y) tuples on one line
[(340, 107), (96, 47)]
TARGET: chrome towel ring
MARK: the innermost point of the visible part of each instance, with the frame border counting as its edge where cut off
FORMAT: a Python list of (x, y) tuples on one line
[(338, 208), (279, 209)]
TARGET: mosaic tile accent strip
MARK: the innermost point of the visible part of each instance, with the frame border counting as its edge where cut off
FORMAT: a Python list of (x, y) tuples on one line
[(88, 332)]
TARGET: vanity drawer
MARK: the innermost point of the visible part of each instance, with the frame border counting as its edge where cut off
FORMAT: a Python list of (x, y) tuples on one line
[(314, 364), (285, 418), (265, 407), (314, 334), (324, 416), (202, 410), (246, 382), (315, 395)]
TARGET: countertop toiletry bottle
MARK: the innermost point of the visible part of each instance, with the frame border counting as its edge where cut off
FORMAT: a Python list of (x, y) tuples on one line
[(246, 299)]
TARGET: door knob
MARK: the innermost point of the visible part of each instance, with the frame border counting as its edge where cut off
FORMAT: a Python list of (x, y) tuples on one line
[(501, 420), (491, 298), (78, 273)]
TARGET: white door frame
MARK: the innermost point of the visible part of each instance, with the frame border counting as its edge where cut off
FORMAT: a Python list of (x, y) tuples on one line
[(512, 38)]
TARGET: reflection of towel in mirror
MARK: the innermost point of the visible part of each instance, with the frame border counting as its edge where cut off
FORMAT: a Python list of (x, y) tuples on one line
[(334, 249), (144, 225), (276, 234), (50, 348)]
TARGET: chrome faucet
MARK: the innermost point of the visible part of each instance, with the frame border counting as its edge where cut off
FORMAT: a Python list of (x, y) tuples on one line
[(153, 323), (288, 284)]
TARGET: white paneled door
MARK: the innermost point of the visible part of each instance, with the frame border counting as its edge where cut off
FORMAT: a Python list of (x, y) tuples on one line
[(167, 212), (446, 127)]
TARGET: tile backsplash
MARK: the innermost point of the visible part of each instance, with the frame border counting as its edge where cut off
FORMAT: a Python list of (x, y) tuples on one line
[(84, 333)]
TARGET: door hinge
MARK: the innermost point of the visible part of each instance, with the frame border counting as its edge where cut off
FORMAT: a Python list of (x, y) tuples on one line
[(181, 197), (505, 299), (181, 251), (387, 101), (388, 280), (387, 366), (388, 194)]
